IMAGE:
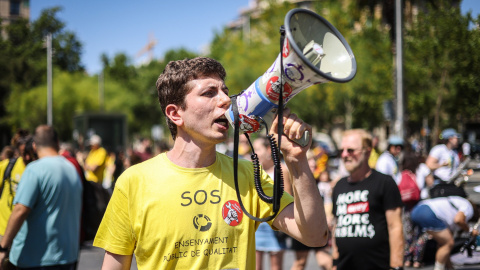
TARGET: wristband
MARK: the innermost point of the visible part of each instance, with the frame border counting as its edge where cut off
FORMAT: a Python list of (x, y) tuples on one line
[(396, 268), (3, 250)]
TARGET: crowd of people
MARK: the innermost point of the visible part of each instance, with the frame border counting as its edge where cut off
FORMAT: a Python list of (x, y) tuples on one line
[(403, 214), (40, 215), (176, 205)]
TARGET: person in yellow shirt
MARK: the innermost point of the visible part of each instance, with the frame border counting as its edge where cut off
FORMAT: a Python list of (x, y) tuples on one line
[(372, 160), (96, 160), (321, 160), (22, 143), (8, 188), (179, 210)]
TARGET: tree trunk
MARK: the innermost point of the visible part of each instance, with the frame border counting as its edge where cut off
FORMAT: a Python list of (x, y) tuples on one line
[(348, 114), (438, 107)]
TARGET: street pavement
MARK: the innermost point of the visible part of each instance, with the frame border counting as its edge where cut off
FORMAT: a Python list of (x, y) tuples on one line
[(92, 257)]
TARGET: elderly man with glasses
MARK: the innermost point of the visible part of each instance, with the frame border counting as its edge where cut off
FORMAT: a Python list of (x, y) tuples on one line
[(367, 207)]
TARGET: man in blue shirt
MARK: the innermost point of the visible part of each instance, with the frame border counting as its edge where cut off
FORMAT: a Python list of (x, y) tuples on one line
[(44, 228)]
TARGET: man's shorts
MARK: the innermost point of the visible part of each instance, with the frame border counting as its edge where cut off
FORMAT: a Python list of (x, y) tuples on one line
[(426, 219)]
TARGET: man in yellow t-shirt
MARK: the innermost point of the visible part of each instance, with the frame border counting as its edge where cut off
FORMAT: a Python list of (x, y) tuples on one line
[(180, 210), (96, 160), (202, 220)]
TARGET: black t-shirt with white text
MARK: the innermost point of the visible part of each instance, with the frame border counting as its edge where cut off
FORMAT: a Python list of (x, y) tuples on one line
[(361, 233)]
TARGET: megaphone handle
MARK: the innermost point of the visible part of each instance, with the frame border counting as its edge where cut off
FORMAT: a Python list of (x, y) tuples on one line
[(303, 141)]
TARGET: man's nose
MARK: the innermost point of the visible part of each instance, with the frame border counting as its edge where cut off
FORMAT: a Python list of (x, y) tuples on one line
[(224, 100)]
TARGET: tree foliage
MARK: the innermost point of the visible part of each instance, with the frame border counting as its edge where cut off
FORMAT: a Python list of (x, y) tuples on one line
[(441, 66), (247, 56), (138, 97), (127, 88), (23, 63)]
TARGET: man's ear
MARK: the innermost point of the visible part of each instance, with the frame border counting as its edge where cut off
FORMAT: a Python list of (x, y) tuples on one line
[(172, 112)]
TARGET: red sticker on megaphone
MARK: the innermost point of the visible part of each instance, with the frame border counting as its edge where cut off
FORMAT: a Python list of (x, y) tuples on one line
[(286, 49), (273, 89), (248, 124)]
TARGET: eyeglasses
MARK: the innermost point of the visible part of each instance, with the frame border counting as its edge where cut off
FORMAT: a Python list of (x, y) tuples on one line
[(350, 151)]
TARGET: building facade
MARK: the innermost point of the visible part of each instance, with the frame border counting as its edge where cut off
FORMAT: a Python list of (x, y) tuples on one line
[(11, 10)]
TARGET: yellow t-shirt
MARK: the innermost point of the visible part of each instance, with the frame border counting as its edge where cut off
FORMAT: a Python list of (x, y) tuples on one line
[(9, 190), (97, 157), (321, 165), (372, 160), (180, 218)]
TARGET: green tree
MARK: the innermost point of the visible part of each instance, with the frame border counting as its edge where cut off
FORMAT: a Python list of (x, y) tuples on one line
[(67, 48), (440, 67), (23, 61), (120, 69), (246, 56), (138, 97), (72, 93), (147, 111)]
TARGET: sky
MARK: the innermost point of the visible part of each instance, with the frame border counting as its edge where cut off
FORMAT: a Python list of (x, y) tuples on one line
[(125, 26)]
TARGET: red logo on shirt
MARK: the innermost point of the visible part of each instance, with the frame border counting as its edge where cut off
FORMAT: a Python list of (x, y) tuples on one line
[(355, 208), (232, 213)]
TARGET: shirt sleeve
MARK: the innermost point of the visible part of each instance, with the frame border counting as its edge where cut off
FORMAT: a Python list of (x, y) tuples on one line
[(436, 152), (383, 165), (392, 198), (463, 206), (115, 233), (28, 189)]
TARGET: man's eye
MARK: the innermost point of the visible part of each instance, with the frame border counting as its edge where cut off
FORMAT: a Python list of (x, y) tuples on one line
[(208, 94)]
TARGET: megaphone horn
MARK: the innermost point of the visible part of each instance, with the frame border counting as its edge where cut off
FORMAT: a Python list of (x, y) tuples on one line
[(314, 52)]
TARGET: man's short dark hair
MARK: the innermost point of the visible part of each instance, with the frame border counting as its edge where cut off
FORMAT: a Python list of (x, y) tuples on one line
[(46, 136), (172, 83)]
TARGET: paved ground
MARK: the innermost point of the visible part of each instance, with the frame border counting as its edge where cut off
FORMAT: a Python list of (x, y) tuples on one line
[(91, 257)]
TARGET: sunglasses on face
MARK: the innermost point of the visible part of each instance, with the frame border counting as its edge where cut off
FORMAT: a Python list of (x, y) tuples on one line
[(350, 151)]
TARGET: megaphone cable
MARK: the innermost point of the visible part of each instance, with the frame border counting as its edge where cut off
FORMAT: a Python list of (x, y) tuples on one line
[(235, 164), (278, 175), (256, 170)]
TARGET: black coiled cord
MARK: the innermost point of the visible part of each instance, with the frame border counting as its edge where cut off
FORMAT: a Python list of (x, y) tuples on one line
[(278, 177)]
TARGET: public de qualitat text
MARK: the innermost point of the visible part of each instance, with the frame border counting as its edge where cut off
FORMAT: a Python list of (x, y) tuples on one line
[(200, 252)]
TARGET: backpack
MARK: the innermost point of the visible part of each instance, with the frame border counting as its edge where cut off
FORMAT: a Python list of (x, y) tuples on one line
[(447, 189), (95, 201), (409, 189)]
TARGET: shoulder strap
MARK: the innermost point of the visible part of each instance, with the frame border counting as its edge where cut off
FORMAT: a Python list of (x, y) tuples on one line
[(7, 173), (453, 205)]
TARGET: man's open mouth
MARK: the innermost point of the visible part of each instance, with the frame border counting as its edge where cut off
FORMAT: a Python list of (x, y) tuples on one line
[(222, 120)]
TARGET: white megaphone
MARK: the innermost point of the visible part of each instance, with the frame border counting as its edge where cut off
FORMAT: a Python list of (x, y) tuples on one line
[(314, 52)]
